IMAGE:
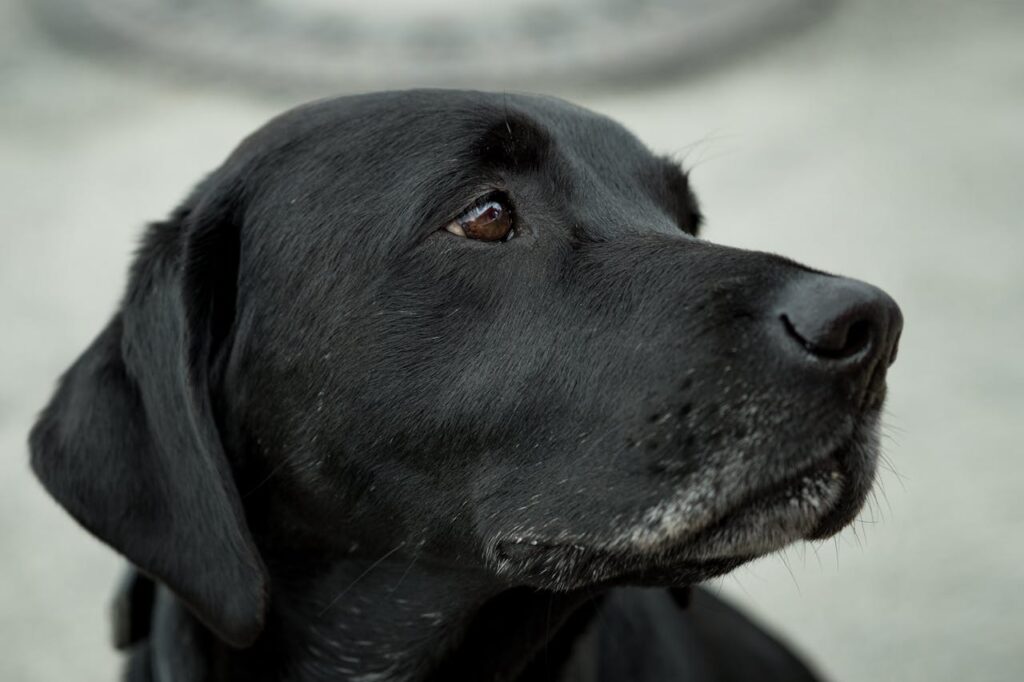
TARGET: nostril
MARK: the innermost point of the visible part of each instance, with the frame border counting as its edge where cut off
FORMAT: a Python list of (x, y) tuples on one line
[(858, 336), (840, 338)]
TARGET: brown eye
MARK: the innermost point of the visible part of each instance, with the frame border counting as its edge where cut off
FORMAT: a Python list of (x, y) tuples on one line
[(488, 221)]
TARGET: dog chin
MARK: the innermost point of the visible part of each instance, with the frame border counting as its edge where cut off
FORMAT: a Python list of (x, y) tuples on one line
[(680, 541)]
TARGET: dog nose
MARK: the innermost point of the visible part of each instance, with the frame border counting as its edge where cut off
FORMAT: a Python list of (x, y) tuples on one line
[(843, 323)]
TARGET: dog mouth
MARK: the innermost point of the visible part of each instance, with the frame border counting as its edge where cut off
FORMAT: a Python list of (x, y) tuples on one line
[(772, 517), (679, 542)]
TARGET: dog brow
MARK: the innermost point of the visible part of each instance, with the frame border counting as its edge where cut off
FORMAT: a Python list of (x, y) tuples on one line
[(513, 143)]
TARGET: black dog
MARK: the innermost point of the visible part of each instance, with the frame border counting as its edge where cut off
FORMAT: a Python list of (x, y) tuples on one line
[(416, 381)]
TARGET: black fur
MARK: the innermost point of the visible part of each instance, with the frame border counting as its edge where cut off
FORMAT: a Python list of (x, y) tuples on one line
[(347, 444)]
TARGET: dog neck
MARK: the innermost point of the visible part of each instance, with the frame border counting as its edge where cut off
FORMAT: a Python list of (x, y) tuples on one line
[(387, 621)]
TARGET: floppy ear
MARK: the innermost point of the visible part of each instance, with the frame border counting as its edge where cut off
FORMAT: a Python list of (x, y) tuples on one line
[(129, 444)]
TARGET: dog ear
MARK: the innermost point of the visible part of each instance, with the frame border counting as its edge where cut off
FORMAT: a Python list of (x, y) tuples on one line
[(129, 444)]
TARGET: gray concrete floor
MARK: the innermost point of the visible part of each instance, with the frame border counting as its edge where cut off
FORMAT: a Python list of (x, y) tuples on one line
[(886, 143)]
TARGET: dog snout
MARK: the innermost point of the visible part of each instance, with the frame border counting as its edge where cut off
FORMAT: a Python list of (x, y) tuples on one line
[(848, 327)]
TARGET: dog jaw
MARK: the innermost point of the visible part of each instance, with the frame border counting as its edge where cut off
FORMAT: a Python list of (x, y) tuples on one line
[(703, 530)]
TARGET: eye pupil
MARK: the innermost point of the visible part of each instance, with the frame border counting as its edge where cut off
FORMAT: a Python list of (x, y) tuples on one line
[(490, 221)]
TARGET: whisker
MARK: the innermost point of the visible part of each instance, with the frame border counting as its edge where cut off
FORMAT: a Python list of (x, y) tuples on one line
[(872, 503), (856, 536), (785, 562), (415, 556), (277, 467), (881, 488), (705, 140), (817, 555), (719, 585), (362, 575), (887, 464), (708, 159), (876, 506), (889, 425)]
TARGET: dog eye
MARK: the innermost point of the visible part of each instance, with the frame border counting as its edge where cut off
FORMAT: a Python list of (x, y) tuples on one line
[(490, 220)]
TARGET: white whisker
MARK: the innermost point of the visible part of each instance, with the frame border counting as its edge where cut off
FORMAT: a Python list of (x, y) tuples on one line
[(362, 575)]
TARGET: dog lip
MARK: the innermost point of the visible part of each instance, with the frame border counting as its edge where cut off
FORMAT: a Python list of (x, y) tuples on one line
[(733, 536), (850, 464), (785, 489), (774, 516), (561, 566), (762, 520)]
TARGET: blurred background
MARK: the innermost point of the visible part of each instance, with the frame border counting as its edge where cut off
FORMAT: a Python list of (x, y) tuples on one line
[(881, 140)]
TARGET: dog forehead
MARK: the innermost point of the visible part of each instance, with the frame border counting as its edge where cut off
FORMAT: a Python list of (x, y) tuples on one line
[(434, 127), (358, 154)]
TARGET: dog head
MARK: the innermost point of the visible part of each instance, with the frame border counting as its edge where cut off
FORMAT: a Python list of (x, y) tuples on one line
[(479, 328)]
